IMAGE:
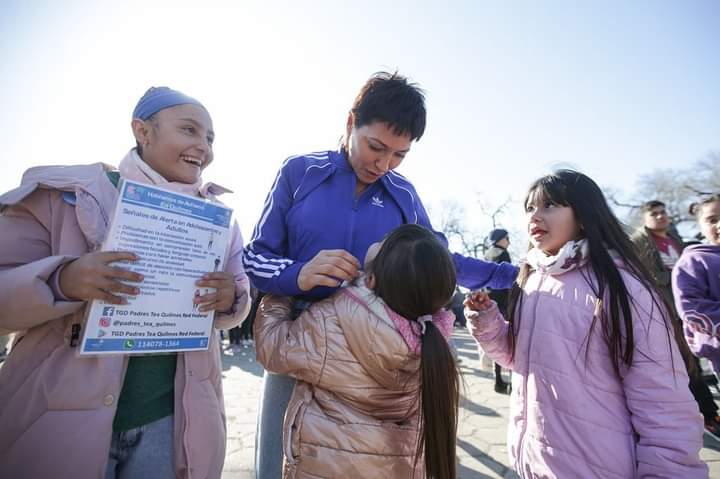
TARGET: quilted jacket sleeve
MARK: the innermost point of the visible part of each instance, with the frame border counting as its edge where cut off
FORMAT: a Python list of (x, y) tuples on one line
[(663, 413), (490, 330), (297, 348), (234, 265), (27, 266)]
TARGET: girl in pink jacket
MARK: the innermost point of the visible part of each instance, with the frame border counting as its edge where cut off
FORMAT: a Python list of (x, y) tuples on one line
[(600, 389), (159, 416), (377, 384)]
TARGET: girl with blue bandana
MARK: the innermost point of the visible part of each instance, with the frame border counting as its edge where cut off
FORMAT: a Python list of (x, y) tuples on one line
[(113, 416)]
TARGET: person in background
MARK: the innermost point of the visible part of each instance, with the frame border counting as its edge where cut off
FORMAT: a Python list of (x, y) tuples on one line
[(498, 253), (660, 247), (696, 286), (234, 338), (243, 335), (456, 306), (246, 330), (113, 416)]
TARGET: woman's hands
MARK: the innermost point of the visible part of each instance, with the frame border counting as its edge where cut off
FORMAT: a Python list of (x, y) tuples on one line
[(91, 277), (478, 301), (223, 298), (328, 268)]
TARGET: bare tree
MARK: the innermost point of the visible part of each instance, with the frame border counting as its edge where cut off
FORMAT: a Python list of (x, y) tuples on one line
[(493, 212), (473, 240), (454, 227), (706, 180), (677, 188), (669, 187), (614, 196)]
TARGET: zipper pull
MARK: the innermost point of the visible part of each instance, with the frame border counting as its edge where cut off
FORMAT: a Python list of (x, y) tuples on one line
[(74, 335)]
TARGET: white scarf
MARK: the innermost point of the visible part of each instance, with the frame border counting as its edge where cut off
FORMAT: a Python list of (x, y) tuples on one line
[(572, 255), (132, 167)]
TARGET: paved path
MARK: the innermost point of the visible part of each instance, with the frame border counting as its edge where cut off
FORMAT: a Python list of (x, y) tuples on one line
[(483, 420)]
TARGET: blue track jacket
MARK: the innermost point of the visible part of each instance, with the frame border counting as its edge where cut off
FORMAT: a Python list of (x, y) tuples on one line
[(311, 207)]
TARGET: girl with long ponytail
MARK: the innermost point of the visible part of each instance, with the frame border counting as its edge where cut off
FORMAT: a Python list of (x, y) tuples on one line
[(377, 390)]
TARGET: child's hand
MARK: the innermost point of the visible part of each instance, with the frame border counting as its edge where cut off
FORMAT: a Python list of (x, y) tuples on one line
[(224, 296), (91, 277), (477, 301)]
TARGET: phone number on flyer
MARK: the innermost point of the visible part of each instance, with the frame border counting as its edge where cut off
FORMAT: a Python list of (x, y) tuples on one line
[(152, 343)]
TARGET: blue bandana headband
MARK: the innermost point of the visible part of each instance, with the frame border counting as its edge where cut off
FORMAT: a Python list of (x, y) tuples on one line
[(159, 98)]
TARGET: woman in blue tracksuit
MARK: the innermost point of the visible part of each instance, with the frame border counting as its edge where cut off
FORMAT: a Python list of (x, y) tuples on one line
[(323, 212)]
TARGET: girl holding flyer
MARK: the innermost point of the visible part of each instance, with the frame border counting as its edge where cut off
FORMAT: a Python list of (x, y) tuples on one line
[(159, 416)]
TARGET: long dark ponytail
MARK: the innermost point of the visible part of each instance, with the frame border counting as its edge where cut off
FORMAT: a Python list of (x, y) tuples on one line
[(415, 276), (604, 234)]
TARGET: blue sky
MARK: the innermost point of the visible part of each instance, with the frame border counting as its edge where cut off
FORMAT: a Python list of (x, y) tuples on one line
[(615, 89)]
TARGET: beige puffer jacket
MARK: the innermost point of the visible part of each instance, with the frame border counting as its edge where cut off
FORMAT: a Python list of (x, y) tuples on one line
[(355, 408)]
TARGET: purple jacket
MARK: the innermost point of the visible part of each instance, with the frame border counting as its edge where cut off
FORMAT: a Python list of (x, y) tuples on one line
[(696, 287), (571, 415)]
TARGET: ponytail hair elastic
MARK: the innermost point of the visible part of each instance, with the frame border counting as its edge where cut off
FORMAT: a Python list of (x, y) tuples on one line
[(425, 318)]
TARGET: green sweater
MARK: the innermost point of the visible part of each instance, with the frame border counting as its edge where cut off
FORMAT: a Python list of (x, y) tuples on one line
[(148, 393)]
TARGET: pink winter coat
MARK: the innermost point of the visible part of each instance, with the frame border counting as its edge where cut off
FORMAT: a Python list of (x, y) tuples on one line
[(56, 409), (571, 416)]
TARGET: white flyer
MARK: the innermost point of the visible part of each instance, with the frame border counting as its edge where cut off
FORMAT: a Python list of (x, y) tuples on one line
[(178, 238)]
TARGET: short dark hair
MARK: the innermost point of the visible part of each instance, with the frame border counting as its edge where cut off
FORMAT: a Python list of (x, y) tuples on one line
[(649, 205), (390, 98)]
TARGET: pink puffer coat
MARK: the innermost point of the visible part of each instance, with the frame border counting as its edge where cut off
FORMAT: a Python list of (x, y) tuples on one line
[(56, 409), (571, 415)]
